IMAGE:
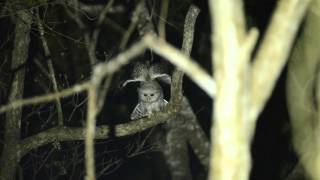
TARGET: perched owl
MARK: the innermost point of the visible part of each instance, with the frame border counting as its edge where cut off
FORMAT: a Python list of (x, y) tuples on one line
[(150, 100), (150, 93)]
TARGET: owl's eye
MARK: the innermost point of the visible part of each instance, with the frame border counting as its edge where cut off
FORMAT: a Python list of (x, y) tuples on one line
[(144, 94), (151, 94)]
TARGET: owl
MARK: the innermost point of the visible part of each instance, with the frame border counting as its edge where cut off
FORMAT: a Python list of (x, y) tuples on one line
[(151, 100), (150, 93)]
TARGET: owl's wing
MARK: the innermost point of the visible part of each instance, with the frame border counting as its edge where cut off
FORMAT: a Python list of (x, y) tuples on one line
[(138, 112), (130, 81), (158, 71), (162, 77), (140, 71), (139, 74), (163, 104)]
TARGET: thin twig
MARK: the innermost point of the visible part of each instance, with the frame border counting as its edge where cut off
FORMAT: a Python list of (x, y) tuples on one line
[(103, 93), (50, 66), (45, 98), (132, 26), (90, 131), (162, 18)]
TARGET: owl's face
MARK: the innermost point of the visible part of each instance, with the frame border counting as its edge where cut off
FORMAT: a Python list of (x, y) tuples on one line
[(149, 95)]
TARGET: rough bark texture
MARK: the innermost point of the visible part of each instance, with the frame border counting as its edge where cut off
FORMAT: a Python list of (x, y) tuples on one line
[(184, 128), (11, 152), (176, 151), (145, 24)]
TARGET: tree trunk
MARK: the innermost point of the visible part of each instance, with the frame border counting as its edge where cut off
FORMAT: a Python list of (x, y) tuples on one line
[(303, 94), (11, 153)]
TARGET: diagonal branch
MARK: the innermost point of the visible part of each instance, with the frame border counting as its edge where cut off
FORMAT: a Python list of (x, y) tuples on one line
[(187, 43), (50, 66), (274, 51)]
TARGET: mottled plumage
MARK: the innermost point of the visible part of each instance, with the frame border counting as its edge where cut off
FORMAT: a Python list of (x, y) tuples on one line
[(150, 100), (150, 93)]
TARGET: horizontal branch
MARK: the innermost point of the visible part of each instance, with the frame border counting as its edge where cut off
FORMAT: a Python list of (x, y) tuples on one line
[(102, 132)]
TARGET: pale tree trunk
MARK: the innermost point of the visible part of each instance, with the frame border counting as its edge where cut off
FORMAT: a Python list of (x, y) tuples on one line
[(11, 151), (243, 88), (303, 93)]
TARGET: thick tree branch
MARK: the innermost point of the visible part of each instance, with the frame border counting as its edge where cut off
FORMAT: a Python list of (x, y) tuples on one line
[(302, 91), (274, 51), (241, 95), (230, 149), (10, 156), (187, 43), (102, 132)]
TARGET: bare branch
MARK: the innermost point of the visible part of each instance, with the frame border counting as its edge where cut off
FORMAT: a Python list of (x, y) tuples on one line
[(188, 36), (163, 18), (45, 98), (50, 66), (274, 52), (102, 132), (90, 131), (303, 94), (134, 22), (12, 131), (230, 150)]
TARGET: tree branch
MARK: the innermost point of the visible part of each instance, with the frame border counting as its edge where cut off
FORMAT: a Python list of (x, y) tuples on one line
[(302, 91), (102, 132), (188, 36), (230, 150), (50, 66), (274, 51)]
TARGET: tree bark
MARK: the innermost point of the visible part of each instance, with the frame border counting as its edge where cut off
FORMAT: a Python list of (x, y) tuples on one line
[(303, 93), (11, 151)]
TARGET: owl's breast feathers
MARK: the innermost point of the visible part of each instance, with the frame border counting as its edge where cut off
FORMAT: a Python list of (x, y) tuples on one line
[(144, 109)]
